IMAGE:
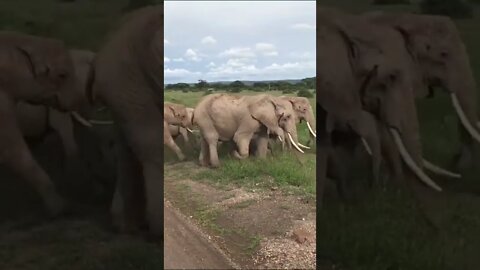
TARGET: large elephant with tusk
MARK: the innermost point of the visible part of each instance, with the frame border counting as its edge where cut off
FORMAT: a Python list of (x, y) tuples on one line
[(364, 66), (442, 62), (223, 117), (176, 130), (176, 115)]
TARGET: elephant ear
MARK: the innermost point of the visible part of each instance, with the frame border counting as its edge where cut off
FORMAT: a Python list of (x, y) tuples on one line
[(264, 112), (37, 65)]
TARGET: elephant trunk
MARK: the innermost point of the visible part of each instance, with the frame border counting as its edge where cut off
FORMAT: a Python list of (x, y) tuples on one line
[(310, 119)]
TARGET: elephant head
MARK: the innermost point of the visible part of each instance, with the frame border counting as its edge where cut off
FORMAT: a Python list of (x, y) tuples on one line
[(41, 71), (367, 67), (304, 112), (443, 59), (278, 116), (176, 114)]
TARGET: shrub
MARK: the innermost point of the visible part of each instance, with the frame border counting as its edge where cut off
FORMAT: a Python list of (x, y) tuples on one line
[(451, 8), (305, 93), (185, 90), (287, 91), (208, 92), (391, 2)]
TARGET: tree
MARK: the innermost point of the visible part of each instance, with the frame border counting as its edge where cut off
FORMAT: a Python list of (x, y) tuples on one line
[(202, 84), (177, 86), (451, 8)]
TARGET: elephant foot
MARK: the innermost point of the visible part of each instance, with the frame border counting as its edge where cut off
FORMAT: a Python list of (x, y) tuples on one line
[(181, 157), (238, 155)]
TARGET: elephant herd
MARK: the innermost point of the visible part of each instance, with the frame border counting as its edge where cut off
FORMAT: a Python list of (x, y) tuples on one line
[(371, 68), (248, 120)]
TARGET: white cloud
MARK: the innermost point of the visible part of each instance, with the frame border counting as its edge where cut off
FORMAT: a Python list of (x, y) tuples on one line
[(165, 42), (178, 73), (302, 55), (209, 40), (166, 59), (238, 52), (302, 26), (193, 55), (180, 59), (211, 64), (266, 49)]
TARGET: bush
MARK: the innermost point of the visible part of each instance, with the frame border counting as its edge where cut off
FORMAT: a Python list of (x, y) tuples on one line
[(208, 92), (391, 2), (236, 90), (305, 93), (185, 90), (287, 91), (451, 8)]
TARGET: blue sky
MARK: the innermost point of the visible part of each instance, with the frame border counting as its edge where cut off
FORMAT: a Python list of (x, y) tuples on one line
[(239, 40)]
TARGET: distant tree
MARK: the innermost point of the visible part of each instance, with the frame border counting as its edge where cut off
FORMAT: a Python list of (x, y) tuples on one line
[(260, 85), (304, 93), (237, 85), (202, 84), (177, 86), (452, 8), (309, 83)]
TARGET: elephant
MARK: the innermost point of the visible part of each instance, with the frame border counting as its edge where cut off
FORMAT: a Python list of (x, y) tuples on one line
[(176, 115), (223, 117), (442, 62), (36, 120), (36, 70), (128, 80), (362, 66), (176, 130)]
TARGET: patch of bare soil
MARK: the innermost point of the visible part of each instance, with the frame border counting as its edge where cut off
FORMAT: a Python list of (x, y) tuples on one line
[(264, 229)]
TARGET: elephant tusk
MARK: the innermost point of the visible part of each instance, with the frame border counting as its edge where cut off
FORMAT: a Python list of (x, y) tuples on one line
[(367, 147), (189, 130), (411, 163), (294, 144), (311, 130), (280, 138), (466, 123), (81, 120), (434, 168), (303, 146), (101, 122)]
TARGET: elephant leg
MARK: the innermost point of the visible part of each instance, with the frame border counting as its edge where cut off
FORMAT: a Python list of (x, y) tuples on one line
[(262, 145), (204, 156), (168, 140), (128, 212), (213, 152), (242, 139)]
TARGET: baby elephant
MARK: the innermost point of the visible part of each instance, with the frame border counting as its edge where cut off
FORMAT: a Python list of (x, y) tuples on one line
[(176, 115)]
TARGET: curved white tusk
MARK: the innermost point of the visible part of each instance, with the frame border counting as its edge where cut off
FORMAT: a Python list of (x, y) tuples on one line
[(434, 168), (294, 144), (189, 130), (466, 123), (411, 163), (101, 122), (303, 146), (367, 147), (280, 138), (311, 130), (81, 120)]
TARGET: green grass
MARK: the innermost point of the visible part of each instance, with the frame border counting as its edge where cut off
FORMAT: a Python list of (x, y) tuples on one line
[(281, 169), (384, 230)]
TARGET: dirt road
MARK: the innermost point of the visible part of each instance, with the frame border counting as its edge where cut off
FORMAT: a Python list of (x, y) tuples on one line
[(186, 247)]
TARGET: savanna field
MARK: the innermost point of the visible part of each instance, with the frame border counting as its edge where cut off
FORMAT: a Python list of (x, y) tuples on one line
[(381, 229)]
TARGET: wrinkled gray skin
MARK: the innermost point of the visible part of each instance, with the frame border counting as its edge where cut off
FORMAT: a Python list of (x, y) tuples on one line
[(39, 71), (370, 71), (223, 117), (129, 81), (442, 61), (176, 115), (36, 120)]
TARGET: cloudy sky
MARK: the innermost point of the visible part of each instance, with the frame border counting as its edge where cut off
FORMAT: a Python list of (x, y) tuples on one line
[(229, 40)]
